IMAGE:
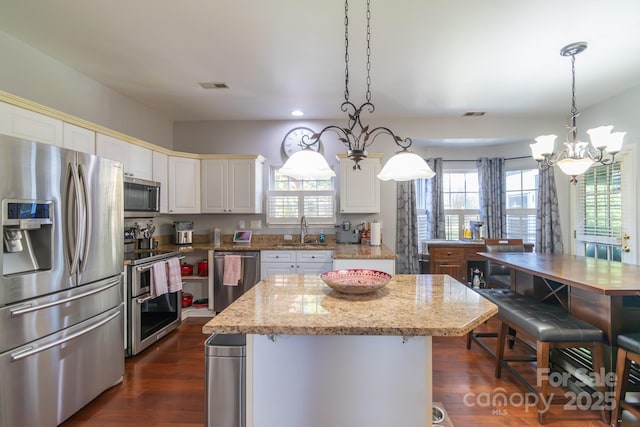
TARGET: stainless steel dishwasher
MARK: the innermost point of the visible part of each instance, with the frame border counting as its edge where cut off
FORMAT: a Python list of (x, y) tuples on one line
[(243, 272)]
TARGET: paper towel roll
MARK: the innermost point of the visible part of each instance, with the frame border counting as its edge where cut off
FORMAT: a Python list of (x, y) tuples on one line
[(375, 234)]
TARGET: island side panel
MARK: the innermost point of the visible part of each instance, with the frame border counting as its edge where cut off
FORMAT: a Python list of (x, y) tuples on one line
[(338, 381)]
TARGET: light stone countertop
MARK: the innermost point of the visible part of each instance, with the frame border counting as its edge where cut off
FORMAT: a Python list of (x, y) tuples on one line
[(409, 305), (340, 251)]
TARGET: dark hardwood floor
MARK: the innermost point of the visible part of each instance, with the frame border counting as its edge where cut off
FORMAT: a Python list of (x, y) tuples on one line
[(163, 386)]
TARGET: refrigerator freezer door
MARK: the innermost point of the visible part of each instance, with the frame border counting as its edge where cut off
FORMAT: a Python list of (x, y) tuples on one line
[(29, 320), (50, 379), (101, 240)]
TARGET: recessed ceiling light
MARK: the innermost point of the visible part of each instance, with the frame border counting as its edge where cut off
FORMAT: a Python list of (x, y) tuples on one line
[(297, 113), (474, 114), (214, 85)]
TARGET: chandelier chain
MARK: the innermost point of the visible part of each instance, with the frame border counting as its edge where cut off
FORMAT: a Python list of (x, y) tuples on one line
[(368, 96), (574, 108), (346, 50)]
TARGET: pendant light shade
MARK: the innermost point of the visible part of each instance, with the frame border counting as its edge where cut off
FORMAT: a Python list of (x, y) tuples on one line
[(405, 166), (575, 167), (307, 164)]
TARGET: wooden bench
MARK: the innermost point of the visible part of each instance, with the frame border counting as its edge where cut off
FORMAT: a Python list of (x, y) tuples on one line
[(551, 327), (628, 353)]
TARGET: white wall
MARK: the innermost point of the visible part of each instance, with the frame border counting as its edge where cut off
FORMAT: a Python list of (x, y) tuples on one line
[(29, 74), (265, 137)]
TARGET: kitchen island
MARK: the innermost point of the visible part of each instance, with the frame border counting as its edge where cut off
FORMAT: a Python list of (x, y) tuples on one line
[(316, 357)]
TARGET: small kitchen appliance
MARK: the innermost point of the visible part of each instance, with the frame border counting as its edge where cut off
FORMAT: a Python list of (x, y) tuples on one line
[(475, 227), (183, 232), (345, 233)]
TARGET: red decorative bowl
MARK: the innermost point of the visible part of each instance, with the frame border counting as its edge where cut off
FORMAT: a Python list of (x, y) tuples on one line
[(356, 281)]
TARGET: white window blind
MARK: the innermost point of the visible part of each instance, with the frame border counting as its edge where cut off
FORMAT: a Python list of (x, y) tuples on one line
[(290, 199), (522, 196), (600, 212)]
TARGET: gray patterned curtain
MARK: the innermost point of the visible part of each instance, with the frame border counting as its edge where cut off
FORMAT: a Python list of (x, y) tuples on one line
[(493, 196), (435, 202), (548, 233), (406, 229)]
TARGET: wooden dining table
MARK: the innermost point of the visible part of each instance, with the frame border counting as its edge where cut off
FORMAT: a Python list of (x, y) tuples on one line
[(603, 293)]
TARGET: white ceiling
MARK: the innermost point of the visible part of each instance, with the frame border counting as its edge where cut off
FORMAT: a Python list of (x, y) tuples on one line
[(429, 57)]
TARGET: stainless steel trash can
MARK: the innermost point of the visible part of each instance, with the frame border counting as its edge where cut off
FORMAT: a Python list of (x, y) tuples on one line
[(225, 370)]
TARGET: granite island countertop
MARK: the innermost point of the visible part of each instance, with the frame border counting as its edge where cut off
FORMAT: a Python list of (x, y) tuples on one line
[(409, 305)]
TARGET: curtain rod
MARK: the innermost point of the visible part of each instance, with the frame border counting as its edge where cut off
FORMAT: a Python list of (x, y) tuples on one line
[(506, 158)]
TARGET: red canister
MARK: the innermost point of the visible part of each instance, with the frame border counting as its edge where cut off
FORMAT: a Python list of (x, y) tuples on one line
[(186, 269), (187, 299), (203, 268)]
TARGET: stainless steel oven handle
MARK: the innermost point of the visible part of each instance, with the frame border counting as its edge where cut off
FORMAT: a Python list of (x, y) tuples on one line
[(144, 268), (145, 299), (30, 351), (30, 307)]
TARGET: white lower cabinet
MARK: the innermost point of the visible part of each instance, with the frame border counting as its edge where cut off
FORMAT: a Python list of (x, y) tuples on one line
[(386, 265), (295, 262)]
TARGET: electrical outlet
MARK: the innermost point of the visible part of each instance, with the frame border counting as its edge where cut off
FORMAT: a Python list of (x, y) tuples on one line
[(287, 237), (255, 224), (242, 224)]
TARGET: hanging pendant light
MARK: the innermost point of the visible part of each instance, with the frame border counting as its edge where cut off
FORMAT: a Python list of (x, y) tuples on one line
[(577, 156), (357, 137), (307, 163)]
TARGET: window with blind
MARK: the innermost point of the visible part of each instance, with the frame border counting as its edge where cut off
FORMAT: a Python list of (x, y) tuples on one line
[(290, 199), (600, 212), (522, 196), (462, 203)]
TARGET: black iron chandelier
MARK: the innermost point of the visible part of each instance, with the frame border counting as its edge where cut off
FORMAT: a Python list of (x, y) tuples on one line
[(357, 137)]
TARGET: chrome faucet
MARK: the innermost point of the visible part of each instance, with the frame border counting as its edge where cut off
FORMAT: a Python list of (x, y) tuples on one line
[(303, 229)]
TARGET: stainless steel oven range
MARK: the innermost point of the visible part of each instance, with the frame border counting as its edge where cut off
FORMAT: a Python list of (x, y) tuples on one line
[(149, 317)]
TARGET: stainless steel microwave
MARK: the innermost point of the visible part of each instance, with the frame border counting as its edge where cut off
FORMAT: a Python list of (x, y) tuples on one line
[(141, 198)]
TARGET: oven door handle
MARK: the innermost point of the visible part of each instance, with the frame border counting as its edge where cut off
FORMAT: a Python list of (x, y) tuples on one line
[(143, 268), (29, 307), (142, 300)]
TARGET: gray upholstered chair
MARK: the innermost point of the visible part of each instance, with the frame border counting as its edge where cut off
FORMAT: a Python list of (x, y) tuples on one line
[(497, 275)]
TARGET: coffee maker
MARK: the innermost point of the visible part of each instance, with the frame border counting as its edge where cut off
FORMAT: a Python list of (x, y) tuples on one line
[(475, 227), (183, 232)]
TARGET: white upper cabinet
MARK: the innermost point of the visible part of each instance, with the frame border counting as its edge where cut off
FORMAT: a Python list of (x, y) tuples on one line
[(26, 124), (78, 138), (360, 188), (184, 185), (161, 175), (137, 160), (232, 185)]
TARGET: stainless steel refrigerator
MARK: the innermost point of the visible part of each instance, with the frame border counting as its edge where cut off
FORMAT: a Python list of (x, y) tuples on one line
[(61, 293)]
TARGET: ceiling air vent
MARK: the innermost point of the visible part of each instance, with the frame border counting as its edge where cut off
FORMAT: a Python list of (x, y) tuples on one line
[(214, 85), (474, 114)]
